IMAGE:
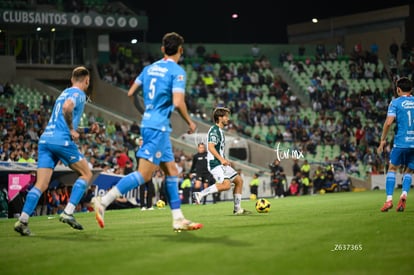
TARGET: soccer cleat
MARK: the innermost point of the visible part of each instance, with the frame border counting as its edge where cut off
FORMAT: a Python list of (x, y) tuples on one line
[(401, 204), (70, 219), (387, 206), (242, 211), (99, 211), (197, 197), (22, 228), (185, 225)]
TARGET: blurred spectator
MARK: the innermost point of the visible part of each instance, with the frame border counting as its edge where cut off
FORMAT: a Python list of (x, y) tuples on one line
[(374, 48), (339, 49), (254, 185), (301, 50), (53, 201), (134, 128), (189, 51), (295, 167), (121, 160), (277, 175), (394, 48), (185, 188), (146, 195), (215, 57), (306, 184), (201, 51), (255, 50), (158, 179), (25, 157), (293, 188)]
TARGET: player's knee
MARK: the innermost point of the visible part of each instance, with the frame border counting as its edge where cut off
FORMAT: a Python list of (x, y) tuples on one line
[(88, 175), (226, 185)]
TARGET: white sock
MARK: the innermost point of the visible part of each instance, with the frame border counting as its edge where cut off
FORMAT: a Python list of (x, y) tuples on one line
[(389, 198), (69, 209), (404, 193), (110, 196), (237, 202), (177, 214), (209, 190), (24, 217)]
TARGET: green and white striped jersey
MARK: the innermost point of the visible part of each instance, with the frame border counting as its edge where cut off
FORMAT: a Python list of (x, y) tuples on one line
[(215, 135)]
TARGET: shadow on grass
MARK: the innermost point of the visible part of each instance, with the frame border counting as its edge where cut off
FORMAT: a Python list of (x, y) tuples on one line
[(192, 238), (74, 236)]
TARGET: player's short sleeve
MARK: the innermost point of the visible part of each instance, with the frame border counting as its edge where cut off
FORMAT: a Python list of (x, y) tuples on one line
[(179, 80), (77, 98), (392, 109), (214, 137)]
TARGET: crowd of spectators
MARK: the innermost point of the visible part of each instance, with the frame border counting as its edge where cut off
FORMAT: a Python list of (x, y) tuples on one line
[(343, 114)]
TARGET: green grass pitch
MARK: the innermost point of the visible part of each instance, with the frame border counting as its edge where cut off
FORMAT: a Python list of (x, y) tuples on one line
[(341, 233)]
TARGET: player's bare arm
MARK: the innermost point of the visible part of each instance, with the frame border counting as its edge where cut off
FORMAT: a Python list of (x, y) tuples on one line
[(387, 125), (67, 110), (133, 89), (212, 149)]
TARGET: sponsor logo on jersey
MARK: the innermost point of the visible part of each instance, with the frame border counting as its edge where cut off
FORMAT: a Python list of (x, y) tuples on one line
[(408, 104)]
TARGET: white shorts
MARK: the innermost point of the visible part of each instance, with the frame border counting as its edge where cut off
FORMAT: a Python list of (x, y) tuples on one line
[(222, 172)]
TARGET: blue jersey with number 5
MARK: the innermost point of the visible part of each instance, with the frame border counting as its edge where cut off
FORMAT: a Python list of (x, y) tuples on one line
[(402, 108), (159, 81)]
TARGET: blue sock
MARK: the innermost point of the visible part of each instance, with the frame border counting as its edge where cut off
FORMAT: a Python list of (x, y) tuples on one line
[(32, 199), (171, 188), (390, 183), (130, 182), (406, 184), (78, 190)]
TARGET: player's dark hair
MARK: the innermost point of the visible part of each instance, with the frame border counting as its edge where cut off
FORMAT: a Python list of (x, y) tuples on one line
[(405, 84), (219, 112), (172, 42)]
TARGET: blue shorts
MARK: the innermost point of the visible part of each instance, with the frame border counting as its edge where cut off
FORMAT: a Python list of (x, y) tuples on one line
[(157, 146), (402, 156), (50, 154)]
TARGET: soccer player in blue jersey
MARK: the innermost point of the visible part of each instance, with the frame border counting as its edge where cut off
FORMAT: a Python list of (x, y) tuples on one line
[(163, 83), (57, 143), (400, 110)]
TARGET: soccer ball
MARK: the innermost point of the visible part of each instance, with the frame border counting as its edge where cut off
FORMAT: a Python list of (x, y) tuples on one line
[(160, 204), (262, 206)]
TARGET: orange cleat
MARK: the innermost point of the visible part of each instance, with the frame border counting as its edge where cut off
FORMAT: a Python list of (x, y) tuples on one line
[(185, 225), (401, 204), (387, 206)]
